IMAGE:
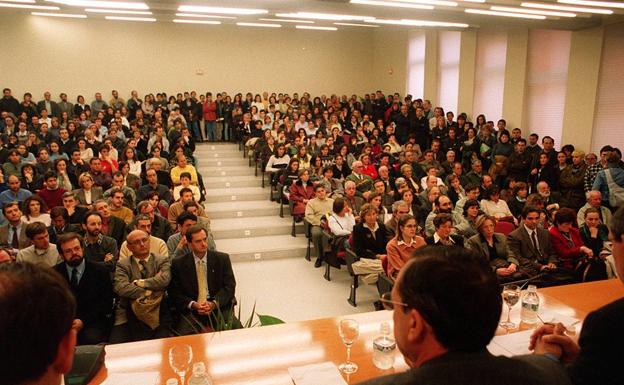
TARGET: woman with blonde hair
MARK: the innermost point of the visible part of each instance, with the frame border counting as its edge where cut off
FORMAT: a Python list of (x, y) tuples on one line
[(87, 193)]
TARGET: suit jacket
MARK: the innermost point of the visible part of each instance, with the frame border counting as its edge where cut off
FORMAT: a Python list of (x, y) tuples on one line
[(568, 255), (94, 295), (504, 255), (22, 238), (117, 229), (482, 368), (96, 193), (69, 228), (600, 341), (367, 246), (56, 111), (127, 270), (221, 282), (522, 247)]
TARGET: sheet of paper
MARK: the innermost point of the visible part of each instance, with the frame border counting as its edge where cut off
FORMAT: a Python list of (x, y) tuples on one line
[(145, 378), (512, 344), (325, 373), (551, 316)]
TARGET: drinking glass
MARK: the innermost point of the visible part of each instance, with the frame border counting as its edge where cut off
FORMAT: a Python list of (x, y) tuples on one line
[(511, 296), (349, 330), (180, 358)]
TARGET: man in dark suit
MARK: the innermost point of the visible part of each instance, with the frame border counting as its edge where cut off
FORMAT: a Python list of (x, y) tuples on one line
[(60, 224), (202, 285), (443, 334), (49, 105), (91, 285), (442, 236), (597, 356), (530, 243), (13, 234)]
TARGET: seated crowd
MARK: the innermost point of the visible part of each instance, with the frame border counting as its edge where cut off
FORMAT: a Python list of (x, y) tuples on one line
[(108, 195)]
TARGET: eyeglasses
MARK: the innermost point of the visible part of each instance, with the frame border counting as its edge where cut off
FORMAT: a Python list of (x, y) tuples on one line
[(388, 303)]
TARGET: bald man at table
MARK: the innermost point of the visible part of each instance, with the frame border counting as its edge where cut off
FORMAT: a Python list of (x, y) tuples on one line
[(597, 358), (443, 329)]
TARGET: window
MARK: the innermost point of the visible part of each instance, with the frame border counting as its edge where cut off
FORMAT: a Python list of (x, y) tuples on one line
[(490, 63), (448, 70), (416, 64)]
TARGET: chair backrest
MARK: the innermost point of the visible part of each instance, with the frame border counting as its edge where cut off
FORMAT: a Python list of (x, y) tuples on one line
[(504, 227), (384, 263)]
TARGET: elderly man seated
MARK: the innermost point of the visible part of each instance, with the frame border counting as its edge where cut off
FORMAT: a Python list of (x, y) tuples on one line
[(594, 199)]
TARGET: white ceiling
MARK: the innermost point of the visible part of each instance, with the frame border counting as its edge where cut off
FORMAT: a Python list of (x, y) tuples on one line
[(164, 11)]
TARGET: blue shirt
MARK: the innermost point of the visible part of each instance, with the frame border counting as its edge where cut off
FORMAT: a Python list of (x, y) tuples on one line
[(80, 268), (9, 196)]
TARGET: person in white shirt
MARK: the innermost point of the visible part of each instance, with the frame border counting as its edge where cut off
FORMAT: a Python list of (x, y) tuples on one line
[(341, 220), (493, 206)]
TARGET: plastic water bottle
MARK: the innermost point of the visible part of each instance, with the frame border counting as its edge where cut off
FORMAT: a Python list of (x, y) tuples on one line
[(530, 306), (383, 348), (199, 376)]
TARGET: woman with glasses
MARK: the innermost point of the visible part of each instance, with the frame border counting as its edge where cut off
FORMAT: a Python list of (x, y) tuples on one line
[(401, 247)]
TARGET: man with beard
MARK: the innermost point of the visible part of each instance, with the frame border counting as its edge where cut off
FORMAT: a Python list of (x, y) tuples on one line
[(91, 286), (442, 205), (97, 246)]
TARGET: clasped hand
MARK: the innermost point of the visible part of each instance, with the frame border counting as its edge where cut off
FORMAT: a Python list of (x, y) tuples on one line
[(552, 339)]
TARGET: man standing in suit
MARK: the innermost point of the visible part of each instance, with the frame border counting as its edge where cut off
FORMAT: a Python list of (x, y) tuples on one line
[(443, 333), (13, 234), (202, 283), (49, 105), (141, 280), (91, 286), (596, 357), (530, 243)]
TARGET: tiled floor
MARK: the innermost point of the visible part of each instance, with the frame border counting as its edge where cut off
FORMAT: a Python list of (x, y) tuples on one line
[(293, 290)]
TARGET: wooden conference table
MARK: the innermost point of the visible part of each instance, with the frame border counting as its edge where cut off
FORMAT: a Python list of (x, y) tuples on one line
[(262, 356)]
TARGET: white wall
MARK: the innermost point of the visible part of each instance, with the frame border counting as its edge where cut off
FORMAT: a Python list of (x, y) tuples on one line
[(85, 56)]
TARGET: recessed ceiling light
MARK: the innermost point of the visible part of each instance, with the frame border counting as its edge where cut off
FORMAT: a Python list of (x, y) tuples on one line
[(265, 25), (28, 6), (391, 4), (121, 11), (609, 4), (124, 18), (186, 21), (101, 4), (418, 23), (316, 28), (357, 25), (290, 21), (224, 10), (504, 14), (567, 8), (199, 15), (445, 3), (21, 1), (324, 16), (532, 11), (70, 15)]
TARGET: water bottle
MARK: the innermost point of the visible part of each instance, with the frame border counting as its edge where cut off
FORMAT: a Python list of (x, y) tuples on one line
[(199, 376), (384, 347), (530, 306)]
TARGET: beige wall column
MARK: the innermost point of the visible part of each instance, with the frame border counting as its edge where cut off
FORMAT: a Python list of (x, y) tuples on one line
[(468, 51), (515, 78), (580, 102), (431, 66)]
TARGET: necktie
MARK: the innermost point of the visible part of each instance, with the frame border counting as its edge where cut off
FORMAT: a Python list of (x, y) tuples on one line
[(14, 240), (74, 278), (202, 281), (143, 264), (534, 240)]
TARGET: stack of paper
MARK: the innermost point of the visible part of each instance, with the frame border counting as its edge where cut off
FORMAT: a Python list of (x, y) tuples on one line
[(325, 373)]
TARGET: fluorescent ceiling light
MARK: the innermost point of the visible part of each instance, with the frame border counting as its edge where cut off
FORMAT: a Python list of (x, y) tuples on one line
[(266, 25), (566, 8), (122, 11), (316, 28), (212, 22), (391, 4), (224, 10), (357, 25), (71, 15), (290, 21), (472, 1), (609, 4), (532, 11), (102, 4), (505, 14), (418, 23), (198, 15), (20, 1), (27, 6), (445, 3), (324, 16), (124, 18)]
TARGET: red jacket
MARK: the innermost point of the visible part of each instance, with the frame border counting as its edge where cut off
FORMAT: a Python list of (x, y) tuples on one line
[(568, 255), (298, 193), (210, 111), (52, 198)]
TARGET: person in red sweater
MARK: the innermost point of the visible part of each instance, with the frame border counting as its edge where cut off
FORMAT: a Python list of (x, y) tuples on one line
[(209, 108), (52, 195), (567, 241)]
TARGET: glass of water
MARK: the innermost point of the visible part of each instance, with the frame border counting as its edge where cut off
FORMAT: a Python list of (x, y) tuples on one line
[(511, 296), (349, 330)]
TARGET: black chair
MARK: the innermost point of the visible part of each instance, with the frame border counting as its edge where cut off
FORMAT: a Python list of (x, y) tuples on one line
[(384, 284), (350, 259)]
